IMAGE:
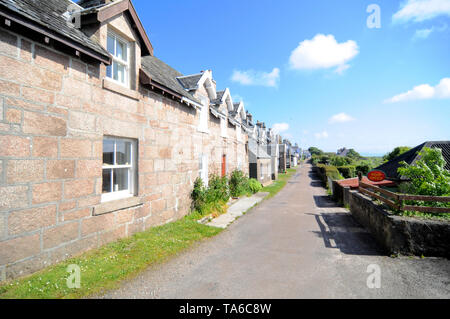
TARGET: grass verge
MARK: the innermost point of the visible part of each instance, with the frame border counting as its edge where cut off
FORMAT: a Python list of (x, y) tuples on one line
[(104, 268), (278, 185)]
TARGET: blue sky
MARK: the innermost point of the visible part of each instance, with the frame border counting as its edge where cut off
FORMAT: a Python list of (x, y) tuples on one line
[(314, 69)]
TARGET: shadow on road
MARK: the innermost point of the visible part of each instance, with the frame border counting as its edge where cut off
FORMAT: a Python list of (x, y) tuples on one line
[(324, 201), (341, 231)]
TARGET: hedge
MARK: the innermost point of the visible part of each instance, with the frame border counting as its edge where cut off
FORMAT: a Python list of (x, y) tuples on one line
[(348, 171), (328, 171)]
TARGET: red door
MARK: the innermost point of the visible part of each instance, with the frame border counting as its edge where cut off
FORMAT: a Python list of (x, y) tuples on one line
[(224, 165)]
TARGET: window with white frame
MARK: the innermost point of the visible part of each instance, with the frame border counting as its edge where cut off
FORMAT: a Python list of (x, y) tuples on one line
[(203, 125), (223, 127), (238, 133), (203, 168), (120, 66), (119, 168)]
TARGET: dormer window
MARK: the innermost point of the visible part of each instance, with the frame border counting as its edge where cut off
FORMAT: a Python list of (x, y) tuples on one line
[(120, 66)]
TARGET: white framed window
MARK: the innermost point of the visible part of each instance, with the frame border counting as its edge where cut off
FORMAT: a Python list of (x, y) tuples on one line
[(119, 69), (223, 127), (119, 168), (203, 125), (203, 169)]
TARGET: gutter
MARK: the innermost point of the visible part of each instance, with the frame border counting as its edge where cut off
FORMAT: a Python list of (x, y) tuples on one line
[(20, 20)]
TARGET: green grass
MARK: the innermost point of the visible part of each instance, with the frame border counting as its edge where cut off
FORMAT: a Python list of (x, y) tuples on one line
[(104, 268), (278, 185)]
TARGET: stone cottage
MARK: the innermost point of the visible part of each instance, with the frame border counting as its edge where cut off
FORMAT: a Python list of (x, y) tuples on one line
[(99, 139)]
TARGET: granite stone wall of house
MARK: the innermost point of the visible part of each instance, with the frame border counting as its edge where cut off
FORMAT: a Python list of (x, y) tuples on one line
[(55, 111)]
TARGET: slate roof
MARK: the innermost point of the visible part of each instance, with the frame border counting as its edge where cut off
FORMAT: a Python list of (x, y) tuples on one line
[(219, 95), (165, 75), (261, 153), (49, 14), (390, 168), (90, 3), (189, 82)]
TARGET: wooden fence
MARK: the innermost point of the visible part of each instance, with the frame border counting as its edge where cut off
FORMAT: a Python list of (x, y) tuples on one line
[(396, 201)]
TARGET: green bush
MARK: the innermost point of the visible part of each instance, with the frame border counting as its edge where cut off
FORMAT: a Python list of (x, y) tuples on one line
[(211, 199), (198, 195), (348, 171), (363, 168), (238, 184), (328, 171), (254, 185), (218, 189), (340, 161)]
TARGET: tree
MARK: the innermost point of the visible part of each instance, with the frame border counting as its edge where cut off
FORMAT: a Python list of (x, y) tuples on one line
[(353, 154), (428, 175), (315, 151), (340, 160), (396, 152)]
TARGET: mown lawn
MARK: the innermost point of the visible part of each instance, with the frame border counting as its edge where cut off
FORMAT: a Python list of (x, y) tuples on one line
[(278, 185), (104, 268)]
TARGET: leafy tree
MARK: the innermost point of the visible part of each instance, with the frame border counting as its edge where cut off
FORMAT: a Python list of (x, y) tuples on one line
[(353, 154), (315, 151), (428, 175), (395, 152), (340, 160)]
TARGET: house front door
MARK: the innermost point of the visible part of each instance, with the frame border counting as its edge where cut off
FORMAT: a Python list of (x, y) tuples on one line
[(224, 165)]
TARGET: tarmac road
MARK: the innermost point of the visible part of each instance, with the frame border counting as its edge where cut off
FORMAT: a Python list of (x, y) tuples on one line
[(295, 245)]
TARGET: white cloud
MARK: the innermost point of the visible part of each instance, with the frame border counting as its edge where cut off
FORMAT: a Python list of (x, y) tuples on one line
[(340, 118), (280, 127), (424, 91), (425, 33), (251, 77), (323, 52), (321, 135), (421, 10)]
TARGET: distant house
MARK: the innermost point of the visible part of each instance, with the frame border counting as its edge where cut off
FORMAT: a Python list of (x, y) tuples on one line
[(259, 160), (342, 152), (390, 168)]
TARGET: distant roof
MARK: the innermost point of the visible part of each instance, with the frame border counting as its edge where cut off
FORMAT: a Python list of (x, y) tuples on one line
[(48, 14), (189, 82), (411, 156), (343, 152), (165, 75), (257, 150), (218, 100)]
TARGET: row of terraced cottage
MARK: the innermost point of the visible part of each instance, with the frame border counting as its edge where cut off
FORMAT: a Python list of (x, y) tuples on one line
[(99, 139)]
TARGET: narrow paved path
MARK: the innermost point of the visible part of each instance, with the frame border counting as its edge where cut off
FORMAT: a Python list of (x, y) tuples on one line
[(295, 245)]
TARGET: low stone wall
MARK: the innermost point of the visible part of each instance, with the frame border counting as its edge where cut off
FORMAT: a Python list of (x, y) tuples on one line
[(401, 235)]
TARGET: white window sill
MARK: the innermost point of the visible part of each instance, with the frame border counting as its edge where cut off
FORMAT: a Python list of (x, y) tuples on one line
[(116, 204), (203, 130), (117, 87)]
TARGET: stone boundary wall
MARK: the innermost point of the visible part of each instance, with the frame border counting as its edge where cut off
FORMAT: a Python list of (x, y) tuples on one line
[(401, 235)]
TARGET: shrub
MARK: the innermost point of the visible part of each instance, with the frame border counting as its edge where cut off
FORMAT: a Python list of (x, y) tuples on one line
[(428, 175), (198, 195), (218, 189), (348, 171), (340, 160), (238, 184), (363, 168), (328, 171), (254, 185)]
